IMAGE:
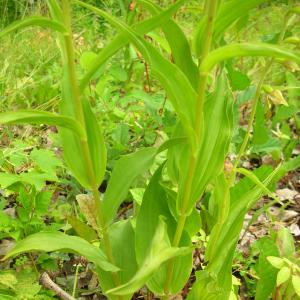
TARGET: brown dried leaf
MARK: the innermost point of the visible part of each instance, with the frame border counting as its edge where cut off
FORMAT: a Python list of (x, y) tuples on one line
[(87, 207)]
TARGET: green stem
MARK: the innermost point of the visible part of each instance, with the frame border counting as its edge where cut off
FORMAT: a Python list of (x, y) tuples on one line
[(252, 114), (211, 15), (79, 113), (225, 207), (75, 280)]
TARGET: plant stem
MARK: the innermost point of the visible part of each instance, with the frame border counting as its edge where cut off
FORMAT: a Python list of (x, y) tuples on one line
[(70, 61), (254, 106), (75, 280), (252, 115), (211, 15)]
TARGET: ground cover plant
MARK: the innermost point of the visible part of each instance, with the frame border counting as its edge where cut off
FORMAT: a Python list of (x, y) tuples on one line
[(138, 156)]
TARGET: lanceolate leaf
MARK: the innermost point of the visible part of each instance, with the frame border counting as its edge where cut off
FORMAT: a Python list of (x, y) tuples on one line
[(228, 13), (33, 21), (146, 226), (243, 196), (121, 40), (178, 87), (42, 117), (125, 171), (180, 47), (159, 252), (57, 241), (74, 152), (122, 240), (246, 49), (96, 142), (218, 119)]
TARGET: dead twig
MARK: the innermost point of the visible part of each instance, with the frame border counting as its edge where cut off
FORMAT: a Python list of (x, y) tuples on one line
[(47, 282)]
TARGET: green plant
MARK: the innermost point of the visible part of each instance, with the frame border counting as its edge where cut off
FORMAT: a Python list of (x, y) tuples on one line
[(154, 247)]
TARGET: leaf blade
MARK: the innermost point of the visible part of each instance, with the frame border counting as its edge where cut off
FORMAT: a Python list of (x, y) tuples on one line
[(33, 21), (56, 241)]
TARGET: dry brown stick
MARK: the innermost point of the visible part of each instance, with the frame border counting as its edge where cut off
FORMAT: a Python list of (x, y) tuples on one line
[(47, 282)]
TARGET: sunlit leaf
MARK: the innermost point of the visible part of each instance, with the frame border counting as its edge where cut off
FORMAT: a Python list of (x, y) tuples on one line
[(126, 169), (283, 275), (42, 117), (246, 49), (33, 21), (57, 241), (159, 252)]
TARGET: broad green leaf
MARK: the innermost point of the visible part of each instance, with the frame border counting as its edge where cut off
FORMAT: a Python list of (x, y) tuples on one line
[(221, 200), (285, 242), (96, 143), (86, 159), (42, 117), (125, 171), (218, 119), (33, 21), (283, 275), (228, 13), (159, 252), (246, 49), (73, 148), (243, 196), (146, 226), (122, 241), (179, 44), (266, 272), (276, 262), (57, 241), (83, 230), (121, 40), (296, 282)]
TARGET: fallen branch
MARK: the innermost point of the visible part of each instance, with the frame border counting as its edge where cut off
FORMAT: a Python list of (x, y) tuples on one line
[(47, 282)]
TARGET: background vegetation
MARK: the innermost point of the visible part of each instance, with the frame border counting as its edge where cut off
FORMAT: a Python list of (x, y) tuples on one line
[(38, 192)]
